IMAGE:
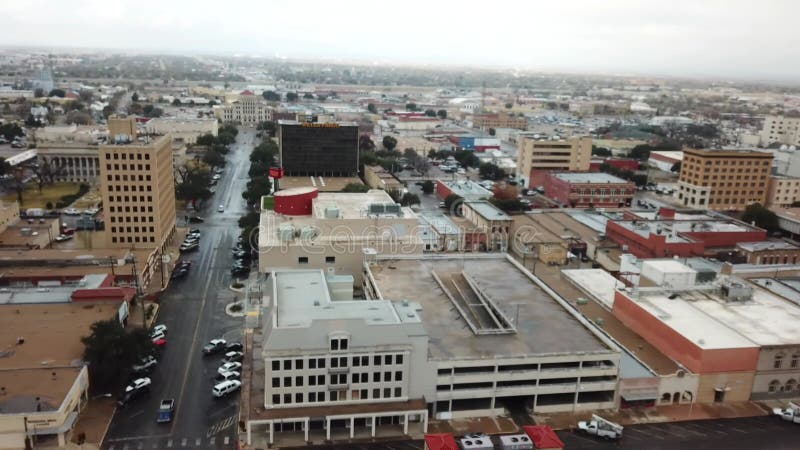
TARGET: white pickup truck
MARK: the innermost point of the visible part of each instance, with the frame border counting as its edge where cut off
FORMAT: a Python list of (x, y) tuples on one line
[(791, 413), (601, 427)]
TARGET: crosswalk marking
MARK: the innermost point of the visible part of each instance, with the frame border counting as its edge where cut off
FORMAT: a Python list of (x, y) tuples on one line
[(226, 440), (183, 442), (169, 443), (212, 440), (197, 441), (221, 425)]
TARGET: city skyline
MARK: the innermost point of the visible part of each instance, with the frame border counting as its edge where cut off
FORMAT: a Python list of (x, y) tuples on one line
[(708, 40)]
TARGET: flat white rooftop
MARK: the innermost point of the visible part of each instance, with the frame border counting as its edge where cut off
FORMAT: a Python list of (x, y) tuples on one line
[(354, 205), (668, 266), (302, 296), (589, 177), (766, 245), (596, 282), (488, 211)]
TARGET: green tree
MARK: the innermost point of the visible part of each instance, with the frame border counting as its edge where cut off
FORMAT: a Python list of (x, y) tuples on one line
[(492, 131), (256, 188), (600, 151), (135, 97), (271, 96), (409, 199), (291, 97), (761, 216), (33, 122), (355, 187), (176, 102), (371, 108), (509, 105), (226, 138), (411, 106), (308, 96), (57, 93), (491, 171), (676, 167), (11, 130), (389, 143), (152, 111), (38, 92), (453, 201), (193, 186), (268, 127), (213, 158), (108, 110), (230, 129), (442, 113), (427, 187), (264, 152), (110, 351), (79, 118), (640, 152), (430, 113), (207, 139), (507, 205)]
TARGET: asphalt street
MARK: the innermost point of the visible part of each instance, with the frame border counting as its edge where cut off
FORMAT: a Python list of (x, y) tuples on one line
[(749, 433), (193, 309)]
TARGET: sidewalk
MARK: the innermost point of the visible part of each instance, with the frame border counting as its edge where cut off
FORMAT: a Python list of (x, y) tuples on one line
[(94, 420), (666, 413)]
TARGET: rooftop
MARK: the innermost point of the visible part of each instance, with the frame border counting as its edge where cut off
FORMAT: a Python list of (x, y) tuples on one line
[(671, 154), (674, 229), (50, 294), (596, 282), (303, 296), (589, 177), (46, 363), (766, 245), (487, 210), (323, 184), (467, 189), (317, 124), (543, 323), (355, 205)]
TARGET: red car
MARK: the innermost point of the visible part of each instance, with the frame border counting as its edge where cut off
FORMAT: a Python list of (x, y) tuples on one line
[(160, 343)]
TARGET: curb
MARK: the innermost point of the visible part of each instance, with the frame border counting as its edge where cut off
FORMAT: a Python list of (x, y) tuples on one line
[(108, 426)]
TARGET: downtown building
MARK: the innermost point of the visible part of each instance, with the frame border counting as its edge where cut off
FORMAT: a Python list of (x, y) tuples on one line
[(538, 157), (137, 187), (248, 110), (589, 190), (318, 149), (429, 337), (723, 180)]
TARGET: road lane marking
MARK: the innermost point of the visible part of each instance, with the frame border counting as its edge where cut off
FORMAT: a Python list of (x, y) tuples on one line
[(169, 443), (183, 442), (212, 440), (227, 439), (197, 442)]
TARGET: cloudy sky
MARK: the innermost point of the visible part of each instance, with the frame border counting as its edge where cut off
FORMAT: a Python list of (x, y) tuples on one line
[(717, 38)]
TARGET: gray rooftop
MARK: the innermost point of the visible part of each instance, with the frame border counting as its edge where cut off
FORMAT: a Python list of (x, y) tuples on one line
[(488, 211), (766, 245), (589, 177), (544, 325)]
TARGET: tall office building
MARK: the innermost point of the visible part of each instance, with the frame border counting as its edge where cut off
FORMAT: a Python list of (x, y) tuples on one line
[(724, 179), (137, 185), (321, 149), (538, 157), (781, 130)]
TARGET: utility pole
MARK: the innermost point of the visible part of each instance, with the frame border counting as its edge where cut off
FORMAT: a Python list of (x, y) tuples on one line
[(138, 287)]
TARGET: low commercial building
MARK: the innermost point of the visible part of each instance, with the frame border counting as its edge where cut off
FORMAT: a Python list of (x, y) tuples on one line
[(9, 214), (769, 252), (658, 238), (71, 152), (665, 160), (491, 222), (45, 385), (322, 230), (466, 189), (377, 177), (789, 220), (783, 192), (439, 234), (587, 190), (780, 129), (185, 131), (531, 238), (499, 120), (29, 234), (740, 339), (617, 163)]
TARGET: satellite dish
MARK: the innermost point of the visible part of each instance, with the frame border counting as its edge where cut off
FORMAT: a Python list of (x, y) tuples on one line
[(784, 147)]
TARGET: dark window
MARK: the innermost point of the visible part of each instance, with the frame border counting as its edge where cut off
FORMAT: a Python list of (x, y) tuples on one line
[(287, 364), (276, 365), (376, 377), (298, 363), (287, 381), (302, 260), (298, 381), (312, 363), (287, 398), (330, 259), (276, 399), (276, 382), (298, 397), (398, 392), (387, 359), (398, 376), (398, 359), (376, 361)]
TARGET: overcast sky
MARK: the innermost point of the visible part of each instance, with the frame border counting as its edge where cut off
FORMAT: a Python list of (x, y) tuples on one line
[(718, 38)]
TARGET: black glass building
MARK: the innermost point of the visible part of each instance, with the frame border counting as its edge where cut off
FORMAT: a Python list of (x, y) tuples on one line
[(319, 149)]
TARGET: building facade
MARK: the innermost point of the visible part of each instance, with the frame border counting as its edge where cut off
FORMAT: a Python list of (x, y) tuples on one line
[(137, 186), (247, 110), (500, 120), (587, 190), (780, 129), (723, 180), (182, 130), (537, 157), (377, 177), (769, 252), (783, 192), (324, 149)]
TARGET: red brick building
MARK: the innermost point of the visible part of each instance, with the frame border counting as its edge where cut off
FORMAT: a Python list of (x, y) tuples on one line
[(585, 190), (618, 163)]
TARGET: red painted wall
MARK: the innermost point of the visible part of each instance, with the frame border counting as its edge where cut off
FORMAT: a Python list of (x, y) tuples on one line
[(679, 348), (442, 191), (563, 192)]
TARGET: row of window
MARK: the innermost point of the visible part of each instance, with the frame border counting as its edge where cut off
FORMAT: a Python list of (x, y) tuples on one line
[(328, 260), (728, 162), (602, 192), (133, 239), (135, 229), (130, 198), (337, 362), (139, 167), (790, 386), (337, 378), (333, 396), (126, 188), (125, 178), (793, 363), (124, 156)]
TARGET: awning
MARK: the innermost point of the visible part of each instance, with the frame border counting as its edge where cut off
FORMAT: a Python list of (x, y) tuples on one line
[(637, 396), (722, 389), (66, 426)]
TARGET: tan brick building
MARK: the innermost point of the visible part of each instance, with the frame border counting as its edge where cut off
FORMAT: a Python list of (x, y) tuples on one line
[(137, 185), (724, 179), (538, 157), (783, 191), (500, 120)]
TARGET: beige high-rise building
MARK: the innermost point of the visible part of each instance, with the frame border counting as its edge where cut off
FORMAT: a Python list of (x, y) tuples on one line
[(780, 129), (538, 157), (723, 179), (137, 185)]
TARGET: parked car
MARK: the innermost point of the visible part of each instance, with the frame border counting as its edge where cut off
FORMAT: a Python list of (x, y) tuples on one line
[(160, 328), (187, 247), (139, 383), (196, 219), (179, 272), (233, 357), (214, 346), (221, 208), (126, 398), (72, 211), (160, 343), (157, 335), (225, 376), (63, 237), (145, 365), (234, 347), (165, 410), (225, 388), (229, 367)]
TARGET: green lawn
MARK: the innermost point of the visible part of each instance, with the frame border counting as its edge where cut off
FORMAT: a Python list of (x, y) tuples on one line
[(32, 198), (267, 202)]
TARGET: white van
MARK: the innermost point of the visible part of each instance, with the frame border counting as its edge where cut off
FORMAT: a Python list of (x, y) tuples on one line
[(225, 388)]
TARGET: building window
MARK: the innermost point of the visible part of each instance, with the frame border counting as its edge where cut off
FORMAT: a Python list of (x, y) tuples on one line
[(387, 392), (774, 386), (287, 398), (320, 363), (398, 359), (302, 260), (276, 365), (387, 359), (312, 363), (298, 363), (298, 397), (795, 361), (376, 361), (791, 385), (287, 381), (298, 381), (312, 380), (276, 399), (376, 393), (398, 376), (312, 397), (330, 259), (276, 382), (320, 380), (778, 363), (339, 344), (387, 376), (376, 377), (287, 364), (398, 392)]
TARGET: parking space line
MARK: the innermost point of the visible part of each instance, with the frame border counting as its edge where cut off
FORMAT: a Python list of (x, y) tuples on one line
[(197, 442), (227, 439)]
